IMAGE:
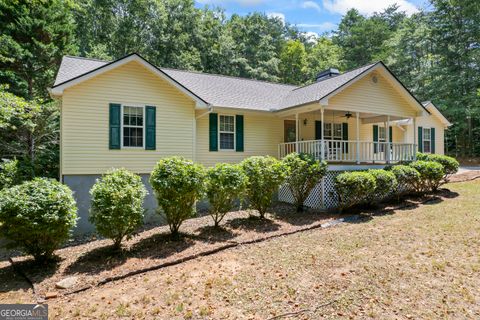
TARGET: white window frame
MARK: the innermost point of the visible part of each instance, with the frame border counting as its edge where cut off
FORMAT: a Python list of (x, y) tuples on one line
[(381, 146), (234, 132), (429, 140), (122, 125), (332, 131)]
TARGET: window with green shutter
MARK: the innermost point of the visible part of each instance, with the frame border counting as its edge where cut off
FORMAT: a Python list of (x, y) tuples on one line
[(150, 127), (114, 134), (420, 139), (239, 133), (375, 138), (213, 132)]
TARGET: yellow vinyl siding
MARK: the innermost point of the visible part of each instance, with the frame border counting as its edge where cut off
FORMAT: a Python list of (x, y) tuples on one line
[(85, 121), (429, 121), (262, 133), (366, 96)]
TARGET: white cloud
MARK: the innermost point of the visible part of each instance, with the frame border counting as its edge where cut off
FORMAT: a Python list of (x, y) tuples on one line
[(245, 3), (311, 5), (278, 15), (312, 36), (367, 7), (325, 26)]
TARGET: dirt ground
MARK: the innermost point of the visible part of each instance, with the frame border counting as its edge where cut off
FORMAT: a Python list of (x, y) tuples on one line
[(416, 262)]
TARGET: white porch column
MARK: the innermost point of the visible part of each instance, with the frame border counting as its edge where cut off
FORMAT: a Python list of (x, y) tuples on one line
[(414, 138), (387, 138), (322, 147), (296, 133), (358, 137)]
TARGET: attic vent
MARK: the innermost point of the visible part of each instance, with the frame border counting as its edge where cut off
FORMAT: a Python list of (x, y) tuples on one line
[(326, 74), (374, 79)]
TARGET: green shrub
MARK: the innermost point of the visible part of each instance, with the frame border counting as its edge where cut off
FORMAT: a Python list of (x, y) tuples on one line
[(117, 205), (385, 184), (265, 175), (178, 183), (354, 188), (450, 165), (304, 172), (431, 175), (407, 179), (225, 184), (9, 174), (37, 216)]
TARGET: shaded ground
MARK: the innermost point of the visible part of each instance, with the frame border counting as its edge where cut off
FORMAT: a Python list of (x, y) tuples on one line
[(95, 261), (416, 262)]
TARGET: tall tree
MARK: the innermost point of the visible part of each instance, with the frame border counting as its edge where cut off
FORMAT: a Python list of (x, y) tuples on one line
[(323, 55), (34, 35), (293, 62)]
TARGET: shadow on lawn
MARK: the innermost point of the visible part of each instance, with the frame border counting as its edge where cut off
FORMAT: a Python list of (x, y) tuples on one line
[(211, 234), (254, 223), (11, 281), (157, 246), (11, 277)]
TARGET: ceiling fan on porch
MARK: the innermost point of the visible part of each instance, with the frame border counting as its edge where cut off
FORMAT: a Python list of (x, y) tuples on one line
[(347, 115)]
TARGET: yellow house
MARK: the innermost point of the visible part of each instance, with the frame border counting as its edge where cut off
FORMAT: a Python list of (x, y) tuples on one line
[(129, 113)]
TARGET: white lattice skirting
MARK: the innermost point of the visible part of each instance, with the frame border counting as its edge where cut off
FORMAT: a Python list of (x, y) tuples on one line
[(322, 197)]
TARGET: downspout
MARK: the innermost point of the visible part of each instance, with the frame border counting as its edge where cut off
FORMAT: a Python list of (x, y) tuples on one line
[(209, 110)]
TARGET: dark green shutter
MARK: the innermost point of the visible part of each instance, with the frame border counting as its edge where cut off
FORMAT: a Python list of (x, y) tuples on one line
[(213, 132), (420, 139), (345, 135), (318, 130), (239, 133), (150, 120), (432, 140), (114, 126), (390, 134), (375, 138)]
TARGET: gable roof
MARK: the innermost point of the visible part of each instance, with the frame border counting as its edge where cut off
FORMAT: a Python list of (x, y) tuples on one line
[(220, 90), (434, 110)]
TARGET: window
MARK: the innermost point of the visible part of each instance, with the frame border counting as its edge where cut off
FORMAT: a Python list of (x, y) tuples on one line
[(332, 128), (227, 132), (427, 140), (382, 137), (133, 127)]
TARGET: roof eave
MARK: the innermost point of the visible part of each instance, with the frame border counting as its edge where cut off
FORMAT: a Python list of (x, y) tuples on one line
[(57, 90)]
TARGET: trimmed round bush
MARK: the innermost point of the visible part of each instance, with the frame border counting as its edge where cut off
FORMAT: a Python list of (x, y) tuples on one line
[(354, 188), (431, 175), (177, 183), (117, 205), (225, 184), (265, 175), (450, 164), (407, 178), (385, 184), (304, 172), (37, 216)]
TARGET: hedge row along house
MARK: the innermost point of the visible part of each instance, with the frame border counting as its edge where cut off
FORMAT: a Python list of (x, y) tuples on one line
[(129, 113)]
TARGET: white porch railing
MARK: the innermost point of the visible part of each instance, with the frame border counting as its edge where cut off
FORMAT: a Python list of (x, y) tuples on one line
[(351, 151)]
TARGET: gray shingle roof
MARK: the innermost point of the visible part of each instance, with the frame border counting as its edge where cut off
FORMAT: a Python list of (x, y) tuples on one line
[(226, 91), (72, 67)]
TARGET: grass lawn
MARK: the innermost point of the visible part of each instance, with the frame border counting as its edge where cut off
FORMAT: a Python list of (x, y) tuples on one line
[(421, 262)]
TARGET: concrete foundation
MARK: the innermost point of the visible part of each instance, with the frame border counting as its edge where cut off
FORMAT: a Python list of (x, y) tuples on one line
[(81, 185)]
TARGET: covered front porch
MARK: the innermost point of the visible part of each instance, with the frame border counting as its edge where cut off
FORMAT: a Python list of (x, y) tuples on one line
[(341, 136)]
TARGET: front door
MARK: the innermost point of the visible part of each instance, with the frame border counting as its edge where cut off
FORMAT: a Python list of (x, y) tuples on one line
[(289, 131)]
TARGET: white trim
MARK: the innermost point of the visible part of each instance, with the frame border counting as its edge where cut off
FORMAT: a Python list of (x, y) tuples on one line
[(58, 90), (429, 139), (434, 111), (122, 105), (234, 132)]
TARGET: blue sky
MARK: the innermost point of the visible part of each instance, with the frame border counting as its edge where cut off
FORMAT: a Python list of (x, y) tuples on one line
[(310, 15)]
